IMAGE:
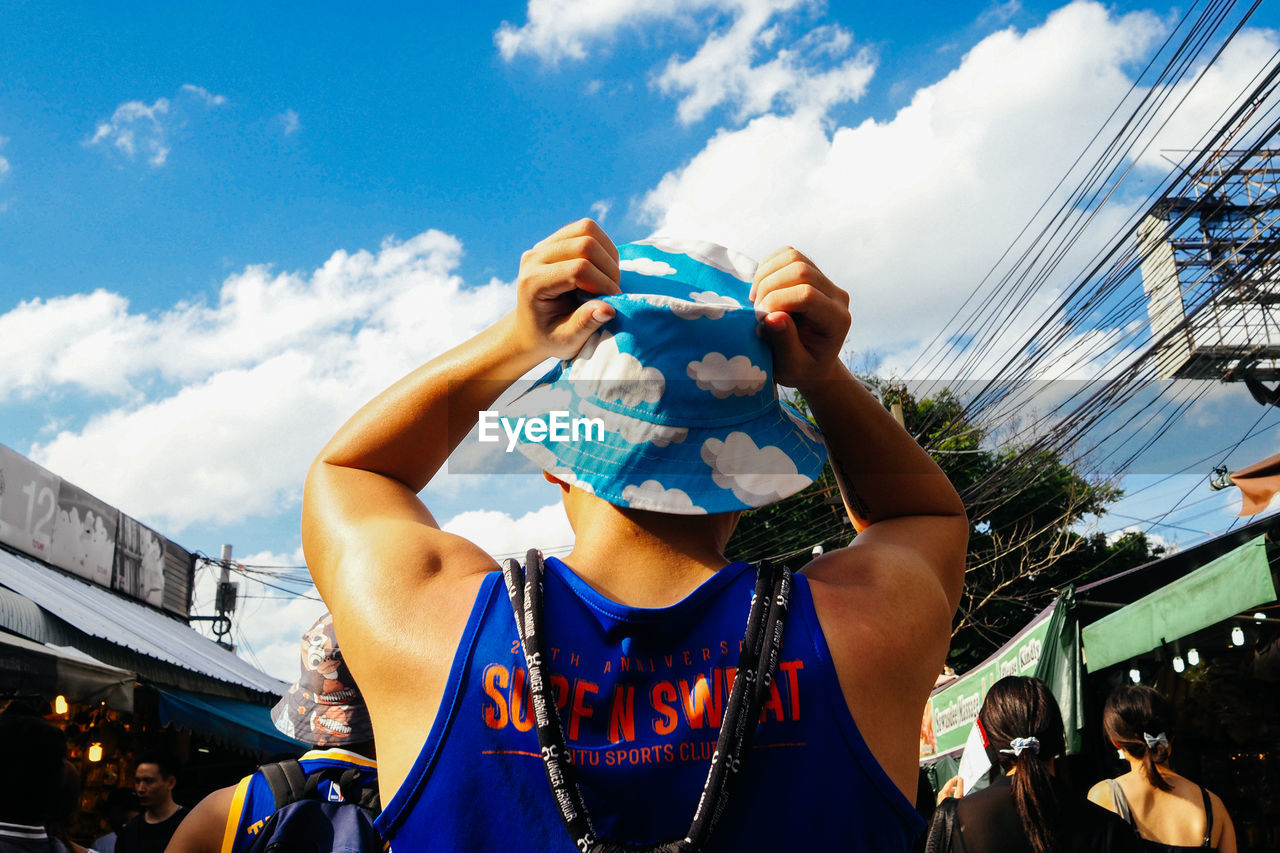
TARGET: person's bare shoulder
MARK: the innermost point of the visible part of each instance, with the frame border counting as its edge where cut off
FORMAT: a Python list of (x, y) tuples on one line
[(884, 594), (886, 619), (1100, 794), (202, 830)]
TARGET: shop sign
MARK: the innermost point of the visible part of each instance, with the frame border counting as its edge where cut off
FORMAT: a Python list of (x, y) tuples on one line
[(950, 712), (56, 521)]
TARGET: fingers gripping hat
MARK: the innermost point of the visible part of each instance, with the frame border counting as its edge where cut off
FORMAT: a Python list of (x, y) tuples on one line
[(324, 706), (673, 401)]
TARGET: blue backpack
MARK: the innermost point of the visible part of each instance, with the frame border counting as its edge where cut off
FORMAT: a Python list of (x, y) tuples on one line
[(306, 821)]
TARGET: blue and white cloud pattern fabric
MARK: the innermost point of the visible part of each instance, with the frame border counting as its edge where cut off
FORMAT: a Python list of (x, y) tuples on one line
[(683, 385)]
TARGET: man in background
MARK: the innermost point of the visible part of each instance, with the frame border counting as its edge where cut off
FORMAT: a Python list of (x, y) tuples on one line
[(149, 832)]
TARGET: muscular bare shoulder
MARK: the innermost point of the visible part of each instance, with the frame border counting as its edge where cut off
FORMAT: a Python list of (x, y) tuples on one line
[(887, 621), (203, 829)]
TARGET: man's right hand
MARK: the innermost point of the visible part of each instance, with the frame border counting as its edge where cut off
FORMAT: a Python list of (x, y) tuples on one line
[(806, 317), (552, 318)]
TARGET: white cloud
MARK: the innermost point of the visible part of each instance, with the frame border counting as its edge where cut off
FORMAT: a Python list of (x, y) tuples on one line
[(713, 255), (4, 164), (756, 475), (632, 429), (909, 213), (705, 304), (999, 14), (136, 128), (1220, 86), (652, 495), (721, 72), (600, 209), (561, 29), (602, 370), (546, 529), (264, 376), (725, 377), (202, 94), (647, 266), (1155, 539), (291, 122), (135, 125), (751, 66)]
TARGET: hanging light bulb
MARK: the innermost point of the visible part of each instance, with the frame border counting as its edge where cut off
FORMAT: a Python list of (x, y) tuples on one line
[(1193, 657), (60, 704), (1179, 665), (1237, 635), (95, 752), (1135, 676)]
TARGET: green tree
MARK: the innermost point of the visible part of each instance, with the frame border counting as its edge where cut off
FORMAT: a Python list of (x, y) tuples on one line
[(1024, 505)]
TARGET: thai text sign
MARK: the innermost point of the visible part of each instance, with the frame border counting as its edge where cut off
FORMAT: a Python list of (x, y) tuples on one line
[(950, 712)]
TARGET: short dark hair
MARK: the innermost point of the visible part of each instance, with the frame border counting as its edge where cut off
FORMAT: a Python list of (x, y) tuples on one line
[(34, 751), (166, 762), (1135, 710)]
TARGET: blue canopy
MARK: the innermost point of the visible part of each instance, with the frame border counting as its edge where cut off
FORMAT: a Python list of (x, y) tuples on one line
[(230, 722)]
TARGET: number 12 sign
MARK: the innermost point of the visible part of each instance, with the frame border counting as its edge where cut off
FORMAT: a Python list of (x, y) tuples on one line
[(28, 504)]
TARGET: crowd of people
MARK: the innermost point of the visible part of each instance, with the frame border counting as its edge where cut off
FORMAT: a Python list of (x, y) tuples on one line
[(643, 692), (1027, 809)]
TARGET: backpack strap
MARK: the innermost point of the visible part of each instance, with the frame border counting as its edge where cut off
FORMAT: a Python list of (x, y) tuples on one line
[(368, 798), (757, 662), (287, 781)]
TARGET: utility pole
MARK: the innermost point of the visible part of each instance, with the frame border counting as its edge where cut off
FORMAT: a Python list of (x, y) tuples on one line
[(224, 602)]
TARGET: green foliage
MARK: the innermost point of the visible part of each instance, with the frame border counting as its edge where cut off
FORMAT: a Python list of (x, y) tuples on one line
[(1023, 505)]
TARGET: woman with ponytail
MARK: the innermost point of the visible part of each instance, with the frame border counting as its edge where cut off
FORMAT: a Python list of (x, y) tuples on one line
[(1025, 809), (1167, 811)]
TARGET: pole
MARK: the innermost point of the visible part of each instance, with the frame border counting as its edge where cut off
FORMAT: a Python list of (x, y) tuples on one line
[(225, 601)]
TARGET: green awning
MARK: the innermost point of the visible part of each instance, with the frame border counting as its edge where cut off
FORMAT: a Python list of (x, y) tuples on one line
[(1218, 590)]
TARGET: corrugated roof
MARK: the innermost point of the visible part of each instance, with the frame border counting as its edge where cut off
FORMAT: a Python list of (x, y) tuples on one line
[(100, 613)]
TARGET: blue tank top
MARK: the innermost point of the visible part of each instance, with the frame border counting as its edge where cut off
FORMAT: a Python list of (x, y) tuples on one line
[(641, 693), (252, 803)]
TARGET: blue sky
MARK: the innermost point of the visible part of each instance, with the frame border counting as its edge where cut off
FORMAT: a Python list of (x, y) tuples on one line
[(222, 229)]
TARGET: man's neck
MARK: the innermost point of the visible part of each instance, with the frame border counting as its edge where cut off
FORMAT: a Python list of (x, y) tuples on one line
[(643, 559), (161, 813), (641, 573)]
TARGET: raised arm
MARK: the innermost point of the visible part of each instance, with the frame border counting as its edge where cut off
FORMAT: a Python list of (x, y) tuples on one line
[(885, 603), (400, 588)]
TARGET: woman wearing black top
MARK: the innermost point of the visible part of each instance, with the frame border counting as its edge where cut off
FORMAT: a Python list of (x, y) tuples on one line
[(1025, 809), (1168, 811)]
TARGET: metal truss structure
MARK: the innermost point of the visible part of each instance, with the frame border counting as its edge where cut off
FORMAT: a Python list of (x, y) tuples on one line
[(1211, 271)]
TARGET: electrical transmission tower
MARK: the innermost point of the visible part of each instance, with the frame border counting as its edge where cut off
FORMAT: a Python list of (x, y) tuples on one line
[(1211, 272)]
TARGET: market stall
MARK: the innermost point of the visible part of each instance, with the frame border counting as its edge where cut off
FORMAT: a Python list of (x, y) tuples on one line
[(1202, 626)]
